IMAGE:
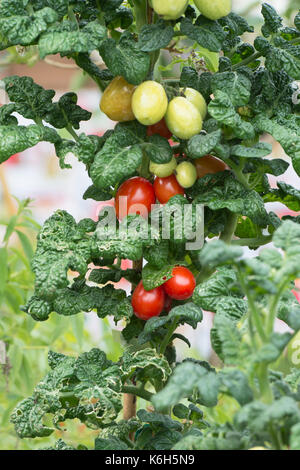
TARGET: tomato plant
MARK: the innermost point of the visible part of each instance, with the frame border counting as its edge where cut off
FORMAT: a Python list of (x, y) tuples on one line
[(166, 188), (218, 111), (135, 196)]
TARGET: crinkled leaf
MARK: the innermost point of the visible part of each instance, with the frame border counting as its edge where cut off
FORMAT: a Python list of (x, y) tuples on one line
[(155, 36), (125, 58)]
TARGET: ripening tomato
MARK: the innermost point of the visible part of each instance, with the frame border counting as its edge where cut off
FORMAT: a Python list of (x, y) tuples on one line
[(196, 99), (149, 103), (135, 196), (186, 174), (116, 100), (214, 9), (159, 128), (147, 304), (209, 165), (165, 188), (163, 169), (170, 9), (183, 118), (181, 285)]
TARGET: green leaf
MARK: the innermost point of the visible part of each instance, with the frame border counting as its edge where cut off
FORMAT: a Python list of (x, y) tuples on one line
[(218, 252), (222, 109), (112, 443), (65, 38), (295, 437), (186, 379), (158, 149), (287, 235), (236, 384), (155, 36), (216, 290), (31, 100), (257, 417), (273, 22), (235, 84), (125, 58), (230, 339), (285, 56), (232, 195), (153, 277), (200, 82), (147, 364), (25, 29), (157, 419), (26, 244), (16, 139), (257, 151), (118, 159), (206, 33), (203, 144), (96, 194), (66, 112)]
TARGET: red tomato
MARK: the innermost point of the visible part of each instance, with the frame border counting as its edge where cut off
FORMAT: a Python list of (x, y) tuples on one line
[(181, 285), (159, 128), (147, 304), (208, 165), (165, 188), (135, 196)]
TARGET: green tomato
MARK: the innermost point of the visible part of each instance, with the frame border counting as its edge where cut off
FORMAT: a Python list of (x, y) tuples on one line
[(163, 170), (183, 118), (149, 103), (170, 9), (186, 174), (214, 9), (196, 99)]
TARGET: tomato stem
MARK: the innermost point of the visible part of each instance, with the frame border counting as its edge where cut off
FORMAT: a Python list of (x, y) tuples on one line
[(228, 232), (168, 336)]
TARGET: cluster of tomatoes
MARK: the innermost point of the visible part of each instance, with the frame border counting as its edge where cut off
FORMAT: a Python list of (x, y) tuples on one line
[(148, 304), (182, 117)]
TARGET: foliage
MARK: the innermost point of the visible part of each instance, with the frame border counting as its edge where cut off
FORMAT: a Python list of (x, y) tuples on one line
[(252, 92)]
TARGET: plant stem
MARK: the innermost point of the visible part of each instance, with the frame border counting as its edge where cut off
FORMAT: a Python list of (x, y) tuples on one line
[(254, 313), (140, 13), (247, 61), (264, 384), (257, 55), (229, 230), (71, 131), (132, 390), (273, 308), (168, 336)]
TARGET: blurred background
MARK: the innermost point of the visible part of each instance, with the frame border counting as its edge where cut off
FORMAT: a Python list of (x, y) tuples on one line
[(35, 174)]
